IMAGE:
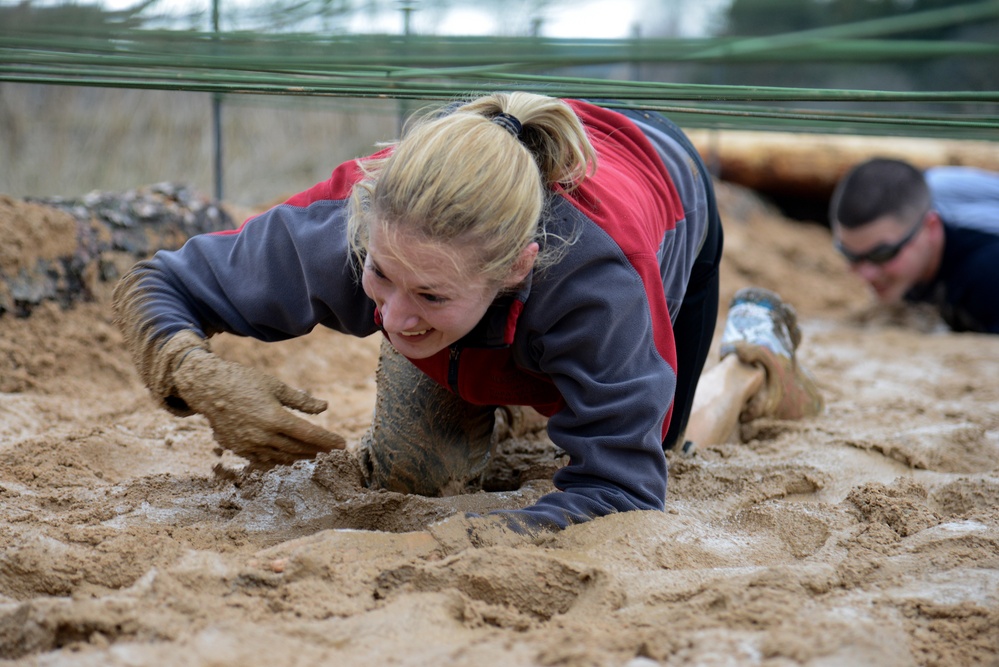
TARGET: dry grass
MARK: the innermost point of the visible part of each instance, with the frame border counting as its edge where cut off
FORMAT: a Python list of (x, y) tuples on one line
[(67, 141)]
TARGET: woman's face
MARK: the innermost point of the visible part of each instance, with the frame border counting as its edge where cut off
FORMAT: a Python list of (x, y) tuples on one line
[(429, 295)]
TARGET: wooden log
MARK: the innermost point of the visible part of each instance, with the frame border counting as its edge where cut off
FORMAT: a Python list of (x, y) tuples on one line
[(808, 166)]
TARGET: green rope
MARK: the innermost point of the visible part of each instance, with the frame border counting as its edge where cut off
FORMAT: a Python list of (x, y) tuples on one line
[(443, 68)]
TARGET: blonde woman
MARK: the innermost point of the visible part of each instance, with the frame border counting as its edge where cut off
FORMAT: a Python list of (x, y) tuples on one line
[(512, 250)]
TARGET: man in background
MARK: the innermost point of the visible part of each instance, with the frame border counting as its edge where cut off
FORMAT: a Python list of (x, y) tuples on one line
[(928, 236)]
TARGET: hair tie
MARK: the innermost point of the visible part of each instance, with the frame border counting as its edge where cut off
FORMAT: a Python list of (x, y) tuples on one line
[(508, 123)]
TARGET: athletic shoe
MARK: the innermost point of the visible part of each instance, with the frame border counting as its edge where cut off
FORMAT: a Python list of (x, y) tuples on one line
[(763, 331)]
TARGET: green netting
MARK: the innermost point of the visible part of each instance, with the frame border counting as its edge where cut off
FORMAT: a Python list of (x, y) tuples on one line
[(435, 68)]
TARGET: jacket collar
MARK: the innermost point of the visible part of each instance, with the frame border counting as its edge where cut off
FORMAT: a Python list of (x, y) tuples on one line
[(499, 325)]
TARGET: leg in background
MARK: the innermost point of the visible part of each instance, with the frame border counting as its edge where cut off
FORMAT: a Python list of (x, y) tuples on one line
[(722, 395), (758, 375)]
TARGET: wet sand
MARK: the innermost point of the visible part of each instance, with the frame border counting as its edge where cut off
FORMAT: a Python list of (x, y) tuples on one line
[(867, 535)]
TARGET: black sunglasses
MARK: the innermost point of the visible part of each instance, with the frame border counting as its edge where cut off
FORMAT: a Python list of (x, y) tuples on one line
[(881, 253)]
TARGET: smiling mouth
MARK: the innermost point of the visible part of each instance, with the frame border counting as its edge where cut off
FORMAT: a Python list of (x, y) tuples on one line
[(413, 333)]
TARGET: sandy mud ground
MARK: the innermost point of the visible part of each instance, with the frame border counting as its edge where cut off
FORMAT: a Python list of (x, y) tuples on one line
[(866, 536)]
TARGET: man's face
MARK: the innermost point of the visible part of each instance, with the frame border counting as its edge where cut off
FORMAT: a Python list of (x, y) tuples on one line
[(892, 256)]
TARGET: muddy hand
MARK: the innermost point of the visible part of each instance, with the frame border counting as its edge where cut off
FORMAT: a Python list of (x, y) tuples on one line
[(248, 410)]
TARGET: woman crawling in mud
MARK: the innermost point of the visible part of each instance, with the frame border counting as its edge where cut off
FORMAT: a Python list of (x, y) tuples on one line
[(514, 251)]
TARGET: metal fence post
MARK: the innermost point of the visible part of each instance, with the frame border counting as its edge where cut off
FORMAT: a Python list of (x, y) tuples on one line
[(217, 116)]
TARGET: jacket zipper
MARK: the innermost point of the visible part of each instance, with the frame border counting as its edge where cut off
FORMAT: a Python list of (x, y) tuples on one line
[(452, 368)]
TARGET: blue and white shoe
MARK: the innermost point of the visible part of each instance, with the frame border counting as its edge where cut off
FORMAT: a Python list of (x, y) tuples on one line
[(763, 331)]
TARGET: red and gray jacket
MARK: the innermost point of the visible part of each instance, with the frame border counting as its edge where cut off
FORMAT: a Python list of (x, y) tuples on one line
[(587, 341)]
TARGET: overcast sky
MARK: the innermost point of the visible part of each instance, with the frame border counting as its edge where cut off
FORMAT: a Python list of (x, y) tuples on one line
[(576, 18), (568, 18)]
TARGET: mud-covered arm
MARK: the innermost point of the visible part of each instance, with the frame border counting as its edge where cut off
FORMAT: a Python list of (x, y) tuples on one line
[(247, 409), (284, 272), (279, 276)]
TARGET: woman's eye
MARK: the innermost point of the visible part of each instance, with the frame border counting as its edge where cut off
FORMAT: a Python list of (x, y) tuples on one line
[(433, 298)]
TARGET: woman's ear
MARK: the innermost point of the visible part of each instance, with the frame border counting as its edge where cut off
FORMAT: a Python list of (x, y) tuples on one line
[(522, 266)]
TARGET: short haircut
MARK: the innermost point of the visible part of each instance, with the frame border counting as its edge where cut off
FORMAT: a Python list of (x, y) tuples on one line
[(876, 188)]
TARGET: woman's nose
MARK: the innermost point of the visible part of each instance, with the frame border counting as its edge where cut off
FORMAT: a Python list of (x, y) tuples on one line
[(398, 314)]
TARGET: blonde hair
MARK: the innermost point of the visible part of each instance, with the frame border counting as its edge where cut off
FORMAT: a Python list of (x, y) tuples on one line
[(459, 177)]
